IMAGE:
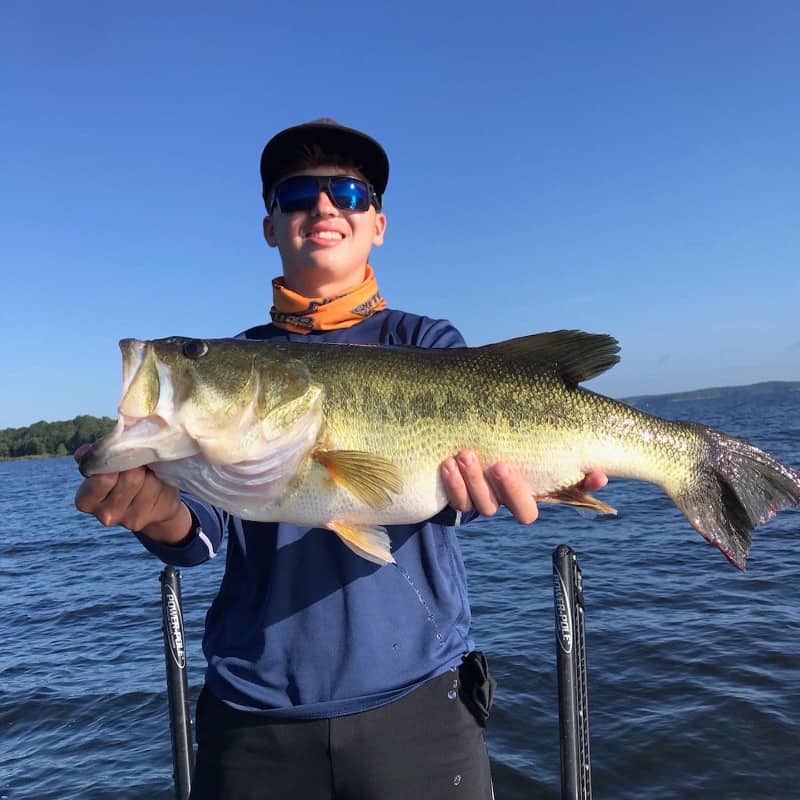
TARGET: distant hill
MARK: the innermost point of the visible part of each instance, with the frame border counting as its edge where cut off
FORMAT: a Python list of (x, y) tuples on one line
[(44, 439), (715, 393)]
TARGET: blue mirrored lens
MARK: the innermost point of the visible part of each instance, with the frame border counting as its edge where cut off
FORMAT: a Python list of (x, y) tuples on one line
[(298, 194), (349, 194)]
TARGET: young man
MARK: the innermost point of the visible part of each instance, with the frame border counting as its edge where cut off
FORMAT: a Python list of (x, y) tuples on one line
[(328, 676)]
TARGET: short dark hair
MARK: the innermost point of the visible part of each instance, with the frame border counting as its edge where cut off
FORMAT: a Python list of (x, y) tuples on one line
[(309, 156)]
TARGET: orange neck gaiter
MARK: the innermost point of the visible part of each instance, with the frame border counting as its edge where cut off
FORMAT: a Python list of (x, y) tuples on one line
[(298, 314)]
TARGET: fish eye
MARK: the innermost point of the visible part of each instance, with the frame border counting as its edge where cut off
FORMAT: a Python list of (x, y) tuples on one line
[(195, 348)]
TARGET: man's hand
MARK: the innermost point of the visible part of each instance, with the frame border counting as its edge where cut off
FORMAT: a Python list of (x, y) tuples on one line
[(135, 499), (469, 487)]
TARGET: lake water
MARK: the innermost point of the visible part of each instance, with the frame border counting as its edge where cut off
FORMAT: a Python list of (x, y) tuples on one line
[(694, 668)]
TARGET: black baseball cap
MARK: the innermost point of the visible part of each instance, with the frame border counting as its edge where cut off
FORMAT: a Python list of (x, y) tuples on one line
[(331, 137)]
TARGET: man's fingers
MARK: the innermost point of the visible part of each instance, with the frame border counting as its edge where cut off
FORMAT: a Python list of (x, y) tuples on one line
[(130, 498), (454, 486), (594, 480), (115, 507), (144, 506), (135, 499), (81, 452), (93, 491), (513, 492), (468, 487), (481, 493)]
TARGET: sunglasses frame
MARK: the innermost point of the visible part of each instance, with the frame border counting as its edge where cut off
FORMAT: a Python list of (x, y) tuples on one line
[(324, 185)]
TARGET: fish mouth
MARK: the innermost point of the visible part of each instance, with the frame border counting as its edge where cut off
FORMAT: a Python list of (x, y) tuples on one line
[(146, 430), (136, 442)]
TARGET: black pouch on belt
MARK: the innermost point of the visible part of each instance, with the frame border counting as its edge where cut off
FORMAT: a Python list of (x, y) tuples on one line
[(477, 685)]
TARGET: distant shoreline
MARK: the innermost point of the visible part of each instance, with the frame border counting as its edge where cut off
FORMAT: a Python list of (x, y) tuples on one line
[(714, 392), (51, 439), (38, 457)]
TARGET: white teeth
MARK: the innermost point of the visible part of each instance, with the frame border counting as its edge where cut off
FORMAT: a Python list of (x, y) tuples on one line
[(327, 235)]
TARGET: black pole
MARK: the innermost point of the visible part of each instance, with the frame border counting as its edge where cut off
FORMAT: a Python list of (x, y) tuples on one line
[(177, 684), (573, 699)]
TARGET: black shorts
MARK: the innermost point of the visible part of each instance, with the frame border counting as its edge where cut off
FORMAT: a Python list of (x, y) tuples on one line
[(425, 746)]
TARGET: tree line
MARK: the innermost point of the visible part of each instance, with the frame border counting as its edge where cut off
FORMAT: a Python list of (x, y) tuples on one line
[(52, 438)]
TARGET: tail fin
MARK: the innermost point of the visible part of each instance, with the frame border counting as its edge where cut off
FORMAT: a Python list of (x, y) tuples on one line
[(737, 488)]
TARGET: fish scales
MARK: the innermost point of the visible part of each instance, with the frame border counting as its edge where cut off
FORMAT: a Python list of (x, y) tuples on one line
[(432, 407)]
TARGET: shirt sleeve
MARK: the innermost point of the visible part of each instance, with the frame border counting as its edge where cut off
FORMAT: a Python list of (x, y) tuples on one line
[(440, 333), (210, 524)]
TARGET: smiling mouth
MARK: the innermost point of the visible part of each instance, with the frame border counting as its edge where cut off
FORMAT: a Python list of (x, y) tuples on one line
[(333, 236)]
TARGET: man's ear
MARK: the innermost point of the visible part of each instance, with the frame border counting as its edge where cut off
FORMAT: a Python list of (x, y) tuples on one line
[(380, 229), (269, 232)]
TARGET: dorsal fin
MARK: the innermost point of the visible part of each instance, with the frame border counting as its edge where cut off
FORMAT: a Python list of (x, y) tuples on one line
[(575, 355)]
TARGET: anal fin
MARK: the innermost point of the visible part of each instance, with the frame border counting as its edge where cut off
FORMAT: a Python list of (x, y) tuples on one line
[(368, 541), (573, 496)]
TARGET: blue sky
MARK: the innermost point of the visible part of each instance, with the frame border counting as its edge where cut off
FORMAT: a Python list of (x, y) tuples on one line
[(623, 167)]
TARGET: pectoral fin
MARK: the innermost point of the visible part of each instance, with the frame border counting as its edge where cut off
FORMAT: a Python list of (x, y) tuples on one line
[(573, 496), (368, 541), (372, 479)]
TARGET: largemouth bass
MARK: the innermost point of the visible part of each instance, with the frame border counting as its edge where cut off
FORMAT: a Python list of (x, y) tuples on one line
[(351, 437)]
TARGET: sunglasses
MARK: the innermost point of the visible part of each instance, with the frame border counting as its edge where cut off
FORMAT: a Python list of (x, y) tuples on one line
[(301, 193)]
